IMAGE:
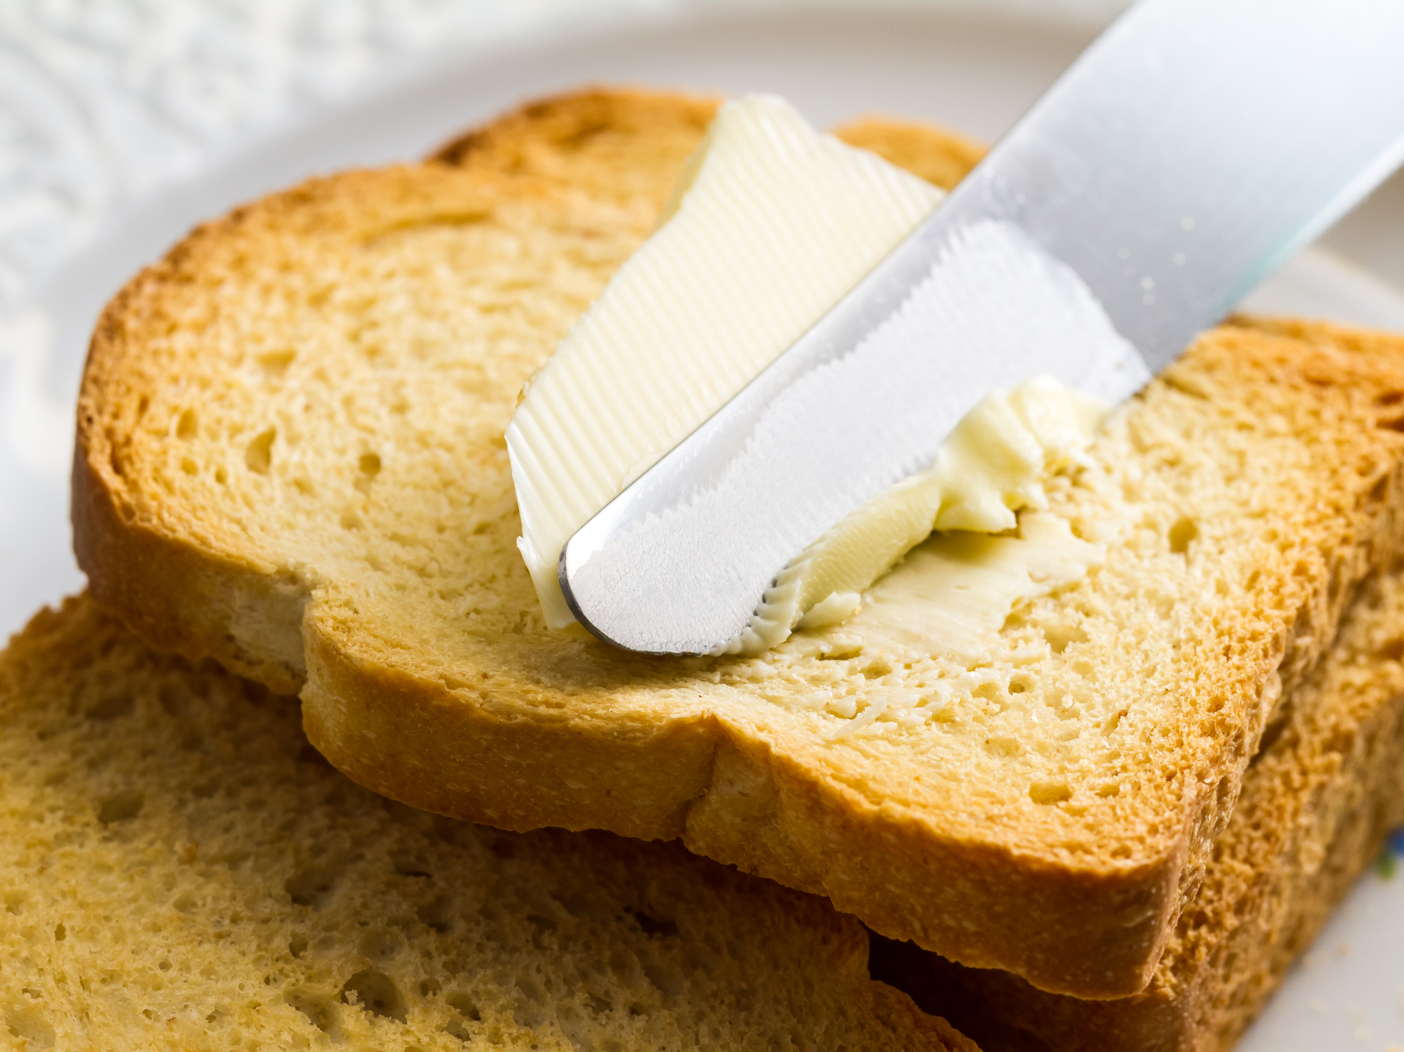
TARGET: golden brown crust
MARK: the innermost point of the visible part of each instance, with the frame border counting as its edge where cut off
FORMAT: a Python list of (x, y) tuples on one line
[(451, 695), (1316, 804), (900, 1014), (606, 142), (938, 155), (178, 597)]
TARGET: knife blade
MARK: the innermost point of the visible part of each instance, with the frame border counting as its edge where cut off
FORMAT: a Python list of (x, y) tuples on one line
[(1189, 152)]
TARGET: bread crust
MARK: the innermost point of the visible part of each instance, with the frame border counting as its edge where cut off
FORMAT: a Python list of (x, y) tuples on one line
[(172, 844), (1316, 805), (564, 733), (180, 598)]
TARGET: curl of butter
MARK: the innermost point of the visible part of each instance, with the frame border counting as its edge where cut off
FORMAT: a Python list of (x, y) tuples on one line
[(768, 227), (993, 464)]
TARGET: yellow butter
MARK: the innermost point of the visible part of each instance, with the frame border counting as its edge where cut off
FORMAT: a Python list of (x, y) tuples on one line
[(993, 464), (955, 591), (770, 225)]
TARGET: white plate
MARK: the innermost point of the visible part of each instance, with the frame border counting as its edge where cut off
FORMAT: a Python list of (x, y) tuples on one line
[(971, 70)]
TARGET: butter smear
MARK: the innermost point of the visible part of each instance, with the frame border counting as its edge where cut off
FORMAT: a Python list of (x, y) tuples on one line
[(770, 224), (990, 466)]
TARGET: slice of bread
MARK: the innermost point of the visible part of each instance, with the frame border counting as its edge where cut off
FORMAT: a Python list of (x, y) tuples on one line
[(1326, 786), (290, 458), (180, 869)]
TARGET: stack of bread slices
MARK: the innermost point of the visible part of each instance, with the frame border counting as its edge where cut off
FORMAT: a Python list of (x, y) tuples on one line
[(1111, 828)]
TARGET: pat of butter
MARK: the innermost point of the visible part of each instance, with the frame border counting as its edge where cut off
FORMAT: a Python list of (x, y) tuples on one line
[(770, 225), (991, 465), (953, 593)]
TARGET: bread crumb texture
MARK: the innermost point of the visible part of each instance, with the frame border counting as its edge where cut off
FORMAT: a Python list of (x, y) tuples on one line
[(180, 869), (291, 459), (1324, 789)]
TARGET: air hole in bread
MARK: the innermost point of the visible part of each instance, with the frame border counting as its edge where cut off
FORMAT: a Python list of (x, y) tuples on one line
[(989, 692), (297, 945), (437, 913), (323, 1012), (376, 992), (623, 965), (412, 867), (1004, 747), (259, 453), (381, 944), (28, 1024), (313, 885), (112, 705), (1337, 582), (189, 466), (672, 983), (429, 987), (529, 1010), (652, 925), (465, 1005), (1049, 792), (368, 466), (120, 806), (276, 362), (540, 925), (456, 1028), (1062, 634), (1182, 533), (172, 699)]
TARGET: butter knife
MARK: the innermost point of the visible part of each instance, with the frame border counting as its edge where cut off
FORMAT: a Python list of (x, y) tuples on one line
[(1189, 152)]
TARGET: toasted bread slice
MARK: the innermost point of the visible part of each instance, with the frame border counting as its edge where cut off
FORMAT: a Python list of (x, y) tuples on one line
[(180, 869), (1325, 788), (290, 459)]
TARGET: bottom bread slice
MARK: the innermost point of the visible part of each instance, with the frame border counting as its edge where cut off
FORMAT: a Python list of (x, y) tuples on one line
[(1325, 787), (179, 869)]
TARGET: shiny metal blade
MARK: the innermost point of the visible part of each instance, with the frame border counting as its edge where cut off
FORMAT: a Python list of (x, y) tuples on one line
[(1190, 151)]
